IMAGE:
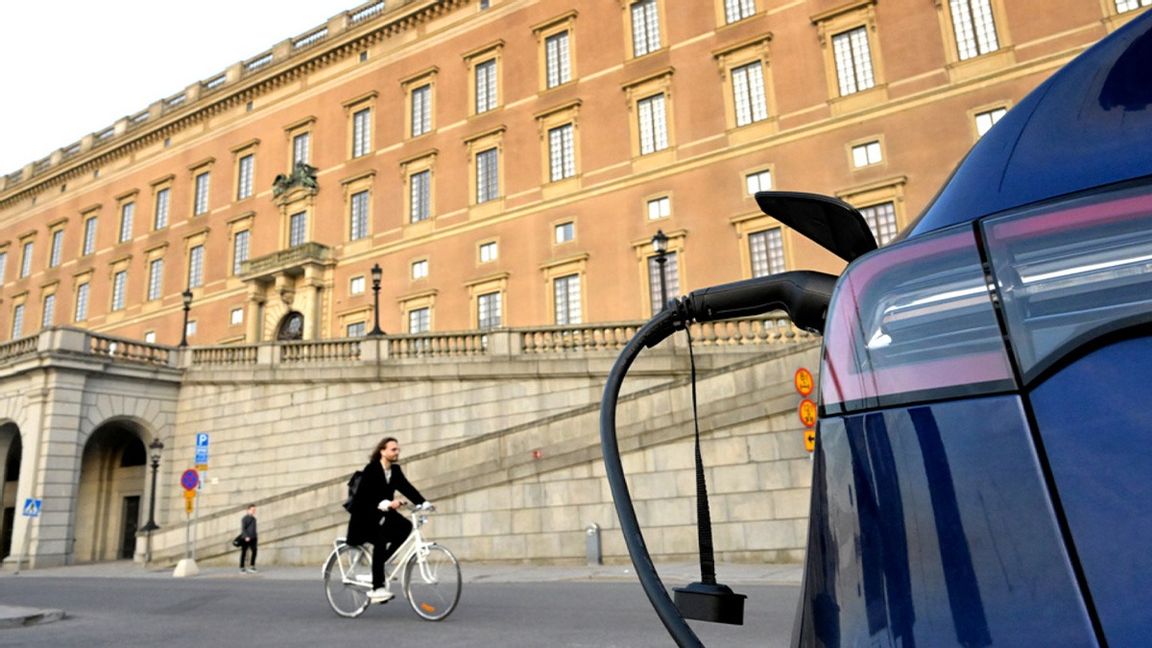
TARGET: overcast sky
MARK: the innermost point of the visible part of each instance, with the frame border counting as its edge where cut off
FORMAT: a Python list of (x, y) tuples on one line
[(74, 67)]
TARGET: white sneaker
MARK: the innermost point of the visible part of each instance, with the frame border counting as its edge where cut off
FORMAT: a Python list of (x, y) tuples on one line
[(380, 595)]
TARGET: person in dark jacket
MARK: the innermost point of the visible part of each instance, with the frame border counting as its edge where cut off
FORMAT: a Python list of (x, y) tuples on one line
[(248, 539), (374, 515)]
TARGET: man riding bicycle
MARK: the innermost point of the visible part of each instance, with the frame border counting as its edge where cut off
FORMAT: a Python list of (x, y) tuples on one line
[(374, 511)]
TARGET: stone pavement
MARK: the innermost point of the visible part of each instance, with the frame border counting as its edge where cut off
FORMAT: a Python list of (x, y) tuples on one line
[(673, 574)]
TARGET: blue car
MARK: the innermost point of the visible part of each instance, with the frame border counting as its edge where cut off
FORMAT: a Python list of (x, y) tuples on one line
[(983, 466)]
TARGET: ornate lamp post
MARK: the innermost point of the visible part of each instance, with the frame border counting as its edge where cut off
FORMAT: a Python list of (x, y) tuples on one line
[(376, 274), (187, 295), (154, 450), (660, 247)]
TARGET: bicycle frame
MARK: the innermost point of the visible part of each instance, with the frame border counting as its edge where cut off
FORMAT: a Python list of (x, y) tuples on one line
[(413, 545)]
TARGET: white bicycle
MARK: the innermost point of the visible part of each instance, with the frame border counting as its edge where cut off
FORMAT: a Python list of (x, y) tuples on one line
[(429, 574)]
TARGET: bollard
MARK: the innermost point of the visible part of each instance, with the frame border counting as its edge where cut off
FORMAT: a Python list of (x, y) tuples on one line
[(592, 544)]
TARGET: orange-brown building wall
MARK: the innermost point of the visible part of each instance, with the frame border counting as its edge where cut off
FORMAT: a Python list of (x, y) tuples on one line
[(922, 114)]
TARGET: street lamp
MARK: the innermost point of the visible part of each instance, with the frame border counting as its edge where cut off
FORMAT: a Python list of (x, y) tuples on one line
[(187, 295), (660, 247), (154, 450), (376, 274)]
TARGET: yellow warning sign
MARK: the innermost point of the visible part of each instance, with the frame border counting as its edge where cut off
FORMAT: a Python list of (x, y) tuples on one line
[(810, 440), (189, 500), (807, 412), (803, 381)]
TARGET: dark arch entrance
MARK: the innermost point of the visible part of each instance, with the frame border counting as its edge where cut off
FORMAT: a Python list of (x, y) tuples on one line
[(291, 327), (110, 498), (11, 450)]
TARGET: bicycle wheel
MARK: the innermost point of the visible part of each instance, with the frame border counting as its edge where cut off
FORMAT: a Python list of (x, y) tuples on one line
[(433, 587), (347, 579)]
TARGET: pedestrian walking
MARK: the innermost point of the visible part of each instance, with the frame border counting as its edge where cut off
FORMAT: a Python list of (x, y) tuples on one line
[(248, 540)]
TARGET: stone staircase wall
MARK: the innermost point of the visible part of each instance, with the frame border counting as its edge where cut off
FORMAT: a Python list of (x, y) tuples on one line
[(528, 490)]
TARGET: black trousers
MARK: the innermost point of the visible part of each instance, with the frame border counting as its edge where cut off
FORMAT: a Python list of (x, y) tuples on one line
[(392, 534), (245, 545)]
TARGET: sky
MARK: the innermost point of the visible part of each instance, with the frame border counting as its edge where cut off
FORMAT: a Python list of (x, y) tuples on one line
[(75, 67)]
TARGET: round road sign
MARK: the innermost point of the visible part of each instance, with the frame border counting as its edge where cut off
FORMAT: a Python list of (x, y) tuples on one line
[(190, 479)]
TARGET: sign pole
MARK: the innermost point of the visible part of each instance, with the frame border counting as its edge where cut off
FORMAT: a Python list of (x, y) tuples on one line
[(187, 567)]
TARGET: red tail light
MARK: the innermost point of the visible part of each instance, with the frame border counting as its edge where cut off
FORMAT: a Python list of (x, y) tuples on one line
[(913, 322)]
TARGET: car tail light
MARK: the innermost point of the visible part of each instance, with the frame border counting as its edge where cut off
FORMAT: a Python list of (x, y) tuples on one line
[(1071, 273), (913, 322)]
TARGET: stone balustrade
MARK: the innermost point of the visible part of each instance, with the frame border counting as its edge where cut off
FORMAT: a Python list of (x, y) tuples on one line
[(750, 333)]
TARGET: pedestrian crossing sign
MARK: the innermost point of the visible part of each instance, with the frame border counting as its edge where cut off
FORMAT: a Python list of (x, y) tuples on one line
[(32, 507)]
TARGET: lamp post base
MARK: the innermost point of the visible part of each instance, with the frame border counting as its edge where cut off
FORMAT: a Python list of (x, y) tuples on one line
[(186, 568)]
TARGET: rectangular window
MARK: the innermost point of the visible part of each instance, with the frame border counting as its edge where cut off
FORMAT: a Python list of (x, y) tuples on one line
[(866, 154), (239, 251), (419, 320), (659, 208), (196, 266), (565, 232), (190, 330), (489, 252), (421, 110), (236, 316), (57, 248), (488, 307), (737, 10), (356, 285), (358, 227), (975, 28), (3, 265), (119, 283), (881, 220), (985, 120), (244, 179), (653, 130), (748, 91), (89, 236), (49, 312), (150, 337), (671, 286), (419, 207), (300, 147), (645, 27), (759, 181), (485, 86), (853, 61), (766, 250), (356, 330), (1131, 5), (160, 215), (155, 279), (127, 212), (567, 294), (201, 204), (81, 303), (17, 321), (561, 153), (297, 229), (361, 132), (487, 176), (420, 269), (558, 64), (26, 259)]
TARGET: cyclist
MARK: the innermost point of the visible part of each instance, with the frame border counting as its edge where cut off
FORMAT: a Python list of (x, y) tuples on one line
[(374, 515)]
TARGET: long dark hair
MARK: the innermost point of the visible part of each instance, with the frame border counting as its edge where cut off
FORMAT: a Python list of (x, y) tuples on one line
[(380, 446)]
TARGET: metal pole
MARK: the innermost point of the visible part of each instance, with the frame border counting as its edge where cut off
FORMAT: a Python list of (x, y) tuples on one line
[(661, 259), (151, 525), (376, 330), (184, 330)]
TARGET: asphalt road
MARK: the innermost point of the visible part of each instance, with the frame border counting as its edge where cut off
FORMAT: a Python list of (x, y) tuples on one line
[(256, 612)]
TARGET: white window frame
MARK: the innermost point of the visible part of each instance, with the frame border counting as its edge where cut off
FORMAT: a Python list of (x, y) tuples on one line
[(119, 285), (652, 116), (881, 219), (484, 76), (421, 109), (298, 228), (241, 248), (561, 152), (766, 252), (487, 175), (81, 312), (361, 132), (567, 304), (975, 28), (855, 71), (420, 320), (160, 211), (301, 147), (358, 215), (245, 170), (737, 10), (48, 310), (27, 249), (420, 194), (127, 215), (202, 184), (645, 27), (867, 154), (155, 279), (748, 95), (986, 119), (489, 310), (558, 59), (55, 253), (418, 269), (89, 244), (195, 266), (489, 251), (565, 232), (658, 208)]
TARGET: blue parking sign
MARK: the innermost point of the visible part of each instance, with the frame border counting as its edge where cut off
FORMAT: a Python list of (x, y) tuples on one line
[(201, 448), (32, 507)]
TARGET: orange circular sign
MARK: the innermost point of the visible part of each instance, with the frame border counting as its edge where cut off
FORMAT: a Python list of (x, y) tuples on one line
[(807, 411), (803, 381)]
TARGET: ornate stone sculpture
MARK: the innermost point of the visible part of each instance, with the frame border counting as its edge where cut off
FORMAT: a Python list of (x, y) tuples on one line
[(303, 175)]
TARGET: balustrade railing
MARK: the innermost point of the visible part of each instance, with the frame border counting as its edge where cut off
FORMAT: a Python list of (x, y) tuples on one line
[(16, 349), (128, 350), (470, 343), (226, 355), (589, 337), (320, 351)]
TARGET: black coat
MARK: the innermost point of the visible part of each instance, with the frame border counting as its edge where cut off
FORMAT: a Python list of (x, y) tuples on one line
[(365, 523)]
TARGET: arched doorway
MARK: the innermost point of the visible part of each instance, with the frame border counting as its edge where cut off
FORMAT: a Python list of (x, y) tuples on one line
[(291, 327), (111, 493), (10, 453)]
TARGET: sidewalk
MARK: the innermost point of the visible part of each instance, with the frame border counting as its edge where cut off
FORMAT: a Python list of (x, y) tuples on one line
[(673, 574)]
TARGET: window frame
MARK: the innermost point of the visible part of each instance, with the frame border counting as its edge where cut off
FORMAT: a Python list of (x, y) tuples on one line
[(493, 53), (411, 85), (360, 113), (564, 24), (637, 33)]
